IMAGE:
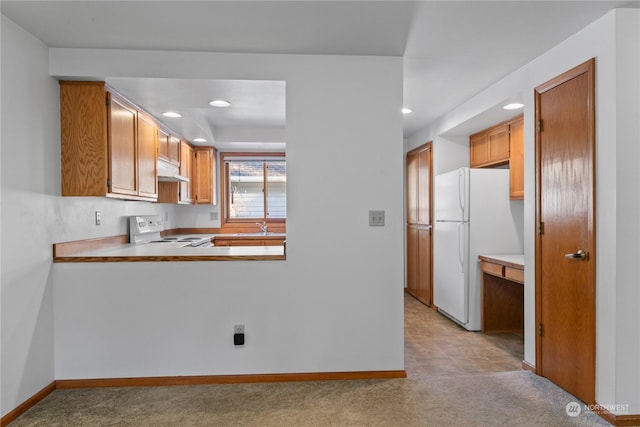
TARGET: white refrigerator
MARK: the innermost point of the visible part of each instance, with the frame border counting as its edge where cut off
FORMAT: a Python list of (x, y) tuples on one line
[(473, 216)]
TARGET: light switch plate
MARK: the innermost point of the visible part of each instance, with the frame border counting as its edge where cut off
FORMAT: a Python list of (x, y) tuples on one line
[(376, 218)]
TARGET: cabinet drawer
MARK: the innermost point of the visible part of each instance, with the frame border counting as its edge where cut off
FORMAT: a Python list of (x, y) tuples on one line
[(494, 269), (514, 274)]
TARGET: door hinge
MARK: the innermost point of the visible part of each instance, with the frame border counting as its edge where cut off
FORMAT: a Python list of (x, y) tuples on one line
[(541, 228), (540, 329), (108, 182), (540, 125), (106, 101)]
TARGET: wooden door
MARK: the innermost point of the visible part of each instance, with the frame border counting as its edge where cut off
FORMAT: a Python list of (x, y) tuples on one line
[(412, 259), (565, 279), (424, 186), (147, 176), (123, 171), (418, 253), (412, 188), (423, 291)]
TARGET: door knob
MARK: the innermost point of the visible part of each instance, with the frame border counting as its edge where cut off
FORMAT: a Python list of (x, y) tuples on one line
[(580, 254)]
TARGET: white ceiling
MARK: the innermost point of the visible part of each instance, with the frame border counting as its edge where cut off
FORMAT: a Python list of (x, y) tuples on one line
[(452, 49)]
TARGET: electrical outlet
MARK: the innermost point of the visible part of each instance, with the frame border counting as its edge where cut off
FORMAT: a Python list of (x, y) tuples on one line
[(238, 335), (166, 216), (98, 218), (376, 218), (213, 216)]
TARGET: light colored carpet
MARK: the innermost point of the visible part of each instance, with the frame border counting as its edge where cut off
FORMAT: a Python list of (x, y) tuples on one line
[(517, 398)]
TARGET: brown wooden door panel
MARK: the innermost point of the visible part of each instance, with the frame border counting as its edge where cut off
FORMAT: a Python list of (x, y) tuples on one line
[(499, 144), (147, 177), (412, 188), (412, 259), (516, 159), (423, 291), (565, 287), (203, 178), (122, 146), (424, 186), (163, 144)]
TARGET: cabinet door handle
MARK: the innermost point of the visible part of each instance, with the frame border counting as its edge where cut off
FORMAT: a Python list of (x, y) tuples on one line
[(580, 254)]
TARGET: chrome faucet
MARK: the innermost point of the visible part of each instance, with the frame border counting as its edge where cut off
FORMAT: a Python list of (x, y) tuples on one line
[(262, 226)]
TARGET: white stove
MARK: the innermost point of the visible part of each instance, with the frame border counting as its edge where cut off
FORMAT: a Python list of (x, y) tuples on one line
[(146, 229)]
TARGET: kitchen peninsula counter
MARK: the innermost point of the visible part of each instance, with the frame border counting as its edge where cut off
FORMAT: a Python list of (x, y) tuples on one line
[(112, 250)]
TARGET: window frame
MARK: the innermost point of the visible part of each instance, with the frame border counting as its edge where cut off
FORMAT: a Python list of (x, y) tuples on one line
[(224, 187)]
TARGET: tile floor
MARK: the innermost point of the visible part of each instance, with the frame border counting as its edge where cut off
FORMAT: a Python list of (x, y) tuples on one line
[(435, 345)]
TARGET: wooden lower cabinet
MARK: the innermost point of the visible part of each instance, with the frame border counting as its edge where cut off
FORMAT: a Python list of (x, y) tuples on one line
[(419, 274)]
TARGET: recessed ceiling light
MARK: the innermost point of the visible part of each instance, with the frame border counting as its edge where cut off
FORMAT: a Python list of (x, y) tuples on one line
[(406, 110), (171, 114), (219, 103), (199, 140), (513, 106)]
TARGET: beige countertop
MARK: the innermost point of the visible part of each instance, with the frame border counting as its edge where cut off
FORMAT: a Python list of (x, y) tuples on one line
[(125, 252)]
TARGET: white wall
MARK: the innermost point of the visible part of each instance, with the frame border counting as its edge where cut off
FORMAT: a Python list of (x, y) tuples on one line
[(615, 43), (34, 216), (334, 305)]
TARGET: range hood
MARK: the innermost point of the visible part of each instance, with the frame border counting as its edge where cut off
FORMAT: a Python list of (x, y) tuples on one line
[(168, 172)]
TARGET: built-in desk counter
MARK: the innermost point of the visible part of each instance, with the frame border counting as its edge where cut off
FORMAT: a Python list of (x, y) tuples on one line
[(502, 292)]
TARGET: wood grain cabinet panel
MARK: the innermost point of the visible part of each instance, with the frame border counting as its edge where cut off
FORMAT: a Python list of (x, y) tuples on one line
[(500, 145), (186, 170), (203, 171), (490, 147), (516, 159), (147, 148), (173, 150), (100, 150), (83, 139), (163, 144)]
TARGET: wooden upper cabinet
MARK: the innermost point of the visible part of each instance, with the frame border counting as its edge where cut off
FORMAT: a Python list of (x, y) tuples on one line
[(174, 150), (100, 150), (147, 148), (516, 159), (490, 147), (123, 174), (203, 173), (83, 139), (163, 144), (479, 149), (186, 170), (499, 145)]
